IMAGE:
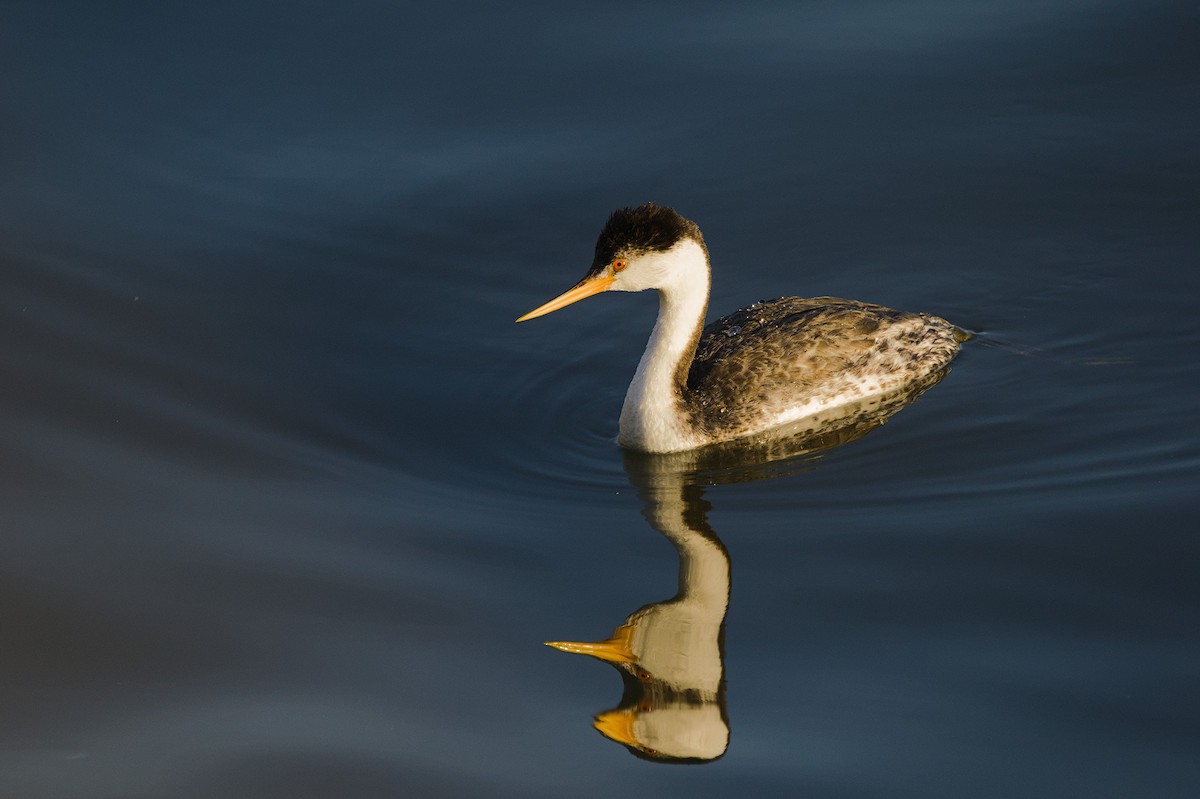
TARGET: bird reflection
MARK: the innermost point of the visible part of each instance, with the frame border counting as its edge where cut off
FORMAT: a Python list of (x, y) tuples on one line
[(670, 654)]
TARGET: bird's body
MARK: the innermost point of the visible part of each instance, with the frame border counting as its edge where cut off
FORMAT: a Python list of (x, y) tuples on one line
[(758, 368), (783, 360)]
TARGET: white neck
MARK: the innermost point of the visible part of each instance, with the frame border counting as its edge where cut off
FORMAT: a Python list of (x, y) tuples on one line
[(678, 641), (652, 418)]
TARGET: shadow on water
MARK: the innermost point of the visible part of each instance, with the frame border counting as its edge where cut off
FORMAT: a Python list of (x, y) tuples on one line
[(671, 654)]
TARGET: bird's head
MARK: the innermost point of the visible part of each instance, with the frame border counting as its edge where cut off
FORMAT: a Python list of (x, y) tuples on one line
[(646, 247)]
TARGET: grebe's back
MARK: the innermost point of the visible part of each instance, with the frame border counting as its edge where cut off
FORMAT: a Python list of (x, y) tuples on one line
[(782, 360)]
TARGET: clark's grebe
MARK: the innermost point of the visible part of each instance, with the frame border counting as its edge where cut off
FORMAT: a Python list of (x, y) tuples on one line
[(764, 366)]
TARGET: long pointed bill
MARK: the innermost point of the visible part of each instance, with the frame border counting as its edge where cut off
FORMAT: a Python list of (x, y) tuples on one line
[(614, 650), (585, 288)]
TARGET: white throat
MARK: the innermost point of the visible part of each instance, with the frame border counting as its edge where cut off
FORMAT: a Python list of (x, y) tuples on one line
[(653, 418), (679, 641)]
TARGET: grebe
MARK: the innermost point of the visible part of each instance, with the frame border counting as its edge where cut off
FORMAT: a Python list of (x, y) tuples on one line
[(759, 368)]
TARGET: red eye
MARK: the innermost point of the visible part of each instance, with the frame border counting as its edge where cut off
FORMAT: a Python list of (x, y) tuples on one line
[(619, 264)]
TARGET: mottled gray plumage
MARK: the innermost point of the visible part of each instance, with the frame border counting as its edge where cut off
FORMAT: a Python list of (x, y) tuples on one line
[(756, 363)]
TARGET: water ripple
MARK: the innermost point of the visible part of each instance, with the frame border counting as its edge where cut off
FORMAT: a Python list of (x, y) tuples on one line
[(559, 415)]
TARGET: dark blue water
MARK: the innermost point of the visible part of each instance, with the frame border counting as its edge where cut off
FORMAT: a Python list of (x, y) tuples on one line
[(288, 504)]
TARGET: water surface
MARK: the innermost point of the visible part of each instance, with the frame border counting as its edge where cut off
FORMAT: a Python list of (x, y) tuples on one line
[(289, 504)]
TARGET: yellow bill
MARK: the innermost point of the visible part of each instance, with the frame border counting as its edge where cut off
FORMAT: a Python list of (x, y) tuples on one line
[(585, 288), (614, 650), (618, 726)]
